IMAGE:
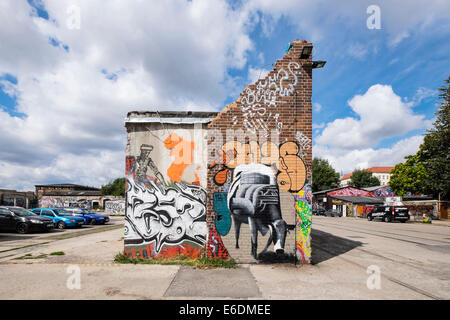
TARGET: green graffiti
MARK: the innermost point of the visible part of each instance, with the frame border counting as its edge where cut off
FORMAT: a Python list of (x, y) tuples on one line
[(304, 217)]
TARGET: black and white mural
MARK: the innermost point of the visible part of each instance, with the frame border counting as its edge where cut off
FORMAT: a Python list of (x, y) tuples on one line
[(254, 199)]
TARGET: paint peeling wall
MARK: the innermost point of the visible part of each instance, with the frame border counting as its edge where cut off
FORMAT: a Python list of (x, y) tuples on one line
[(259, 173)]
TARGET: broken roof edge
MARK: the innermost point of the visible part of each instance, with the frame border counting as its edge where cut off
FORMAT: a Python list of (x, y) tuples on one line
[(174, 117)]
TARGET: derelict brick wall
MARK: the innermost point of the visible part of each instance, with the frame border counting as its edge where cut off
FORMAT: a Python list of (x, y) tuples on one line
[(291, 115)]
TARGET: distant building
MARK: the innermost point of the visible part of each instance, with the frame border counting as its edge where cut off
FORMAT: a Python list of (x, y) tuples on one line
[(25, 199), (71, 195), (382, 173)]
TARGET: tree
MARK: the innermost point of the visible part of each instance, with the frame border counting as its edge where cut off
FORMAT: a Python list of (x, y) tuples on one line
[(434, 152), (363, 179), (409, 177), (114, 188), (323, 175)]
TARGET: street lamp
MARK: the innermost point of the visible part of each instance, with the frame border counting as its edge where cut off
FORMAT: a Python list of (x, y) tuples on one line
[(318, 64)]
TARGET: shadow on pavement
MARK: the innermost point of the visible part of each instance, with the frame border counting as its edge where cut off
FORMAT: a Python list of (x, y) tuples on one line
[(13, 237), (325, 246)]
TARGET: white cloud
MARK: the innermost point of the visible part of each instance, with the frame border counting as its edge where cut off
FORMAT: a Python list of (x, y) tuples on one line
[(422, 94), (317, 107), (347, 160), (91, 170), (380, 114), (351, 142), (318, 125), (157, 53), (127, 55), (357, 50), (255, 74), (316, 19)]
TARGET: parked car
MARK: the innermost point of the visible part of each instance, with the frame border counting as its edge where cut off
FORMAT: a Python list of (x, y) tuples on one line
[(87, 219), (60, 217), (332, 213), (22, 220), (91, 217), (389, 213), (318, 212)]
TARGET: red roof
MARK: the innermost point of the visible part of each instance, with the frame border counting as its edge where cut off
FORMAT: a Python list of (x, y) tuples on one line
[(346, 176), (373, 170)]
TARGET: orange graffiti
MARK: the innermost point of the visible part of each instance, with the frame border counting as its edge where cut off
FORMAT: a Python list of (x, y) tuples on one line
[(182, 151), (147, 251), (293, 171), (197, 178)]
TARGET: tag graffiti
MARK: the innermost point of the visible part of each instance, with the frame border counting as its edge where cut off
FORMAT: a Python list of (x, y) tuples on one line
[(291, 168)]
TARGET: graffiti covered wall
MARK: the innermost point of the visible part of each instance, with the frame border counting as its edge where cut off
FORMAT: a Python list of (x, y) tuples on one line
[(350, 192), (259, 177), (115, 207), (383, 192), (165, 206)]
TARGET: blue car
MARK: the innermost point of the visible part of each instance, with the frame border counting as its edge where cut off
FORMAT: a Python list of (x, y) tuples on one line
[(61, 218), (89, 216), (74, 212)]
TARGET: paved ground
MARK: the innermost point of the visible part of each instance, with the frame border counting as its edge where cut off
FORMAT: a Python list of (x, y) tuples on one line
[(414, 261)]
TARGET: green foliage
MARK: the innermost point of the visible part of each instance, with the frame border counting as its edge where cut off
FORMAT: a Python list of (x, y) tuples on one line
[(363, 179), (434, 152), (428, 171), (323, 175), (114, 188), (409, 177), (30, 256), (57, 253), (201, 263)]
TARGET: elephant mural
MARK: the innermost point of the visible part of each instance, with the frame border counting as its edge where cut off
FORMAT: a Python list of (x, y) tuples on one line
[(254, 199)]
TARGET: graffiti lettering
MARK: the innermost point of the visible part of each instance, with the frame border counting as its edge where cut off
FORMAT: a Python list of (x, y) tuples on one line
[(292, 170), (116, 207)]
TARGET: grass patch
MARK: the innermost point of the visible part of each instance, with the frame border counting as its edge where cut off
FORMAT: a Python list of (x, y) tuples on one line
[(57, 253), (29, 256), (201, 263)]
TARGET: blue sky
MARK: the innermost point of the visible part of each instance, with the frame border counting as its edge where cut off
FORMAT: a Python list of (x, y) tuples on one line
[(64, 91)]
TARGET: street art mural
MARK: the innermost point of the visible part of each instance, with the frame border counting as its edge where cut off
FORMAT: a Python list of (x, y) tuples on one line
[(254, 176), (182, 151), (264, 172), (362, 211), (53, 202), (291, 168), (303, 206), (216, 249), (163, 217), (254, 199), (273, 169), (350, 192), (383, 192), (251, 200), (223, 216), (115, 207)]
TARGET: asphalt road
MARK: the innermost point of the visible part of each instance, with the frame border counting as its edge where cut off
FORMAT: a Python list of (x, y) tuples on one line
[(413, 255), (413, 260), (12, 243)]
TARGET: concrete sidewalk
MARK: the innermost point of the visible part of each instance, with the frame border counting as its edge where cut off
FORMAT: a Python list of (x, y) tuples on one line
[(46, 278), (409, 270)]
